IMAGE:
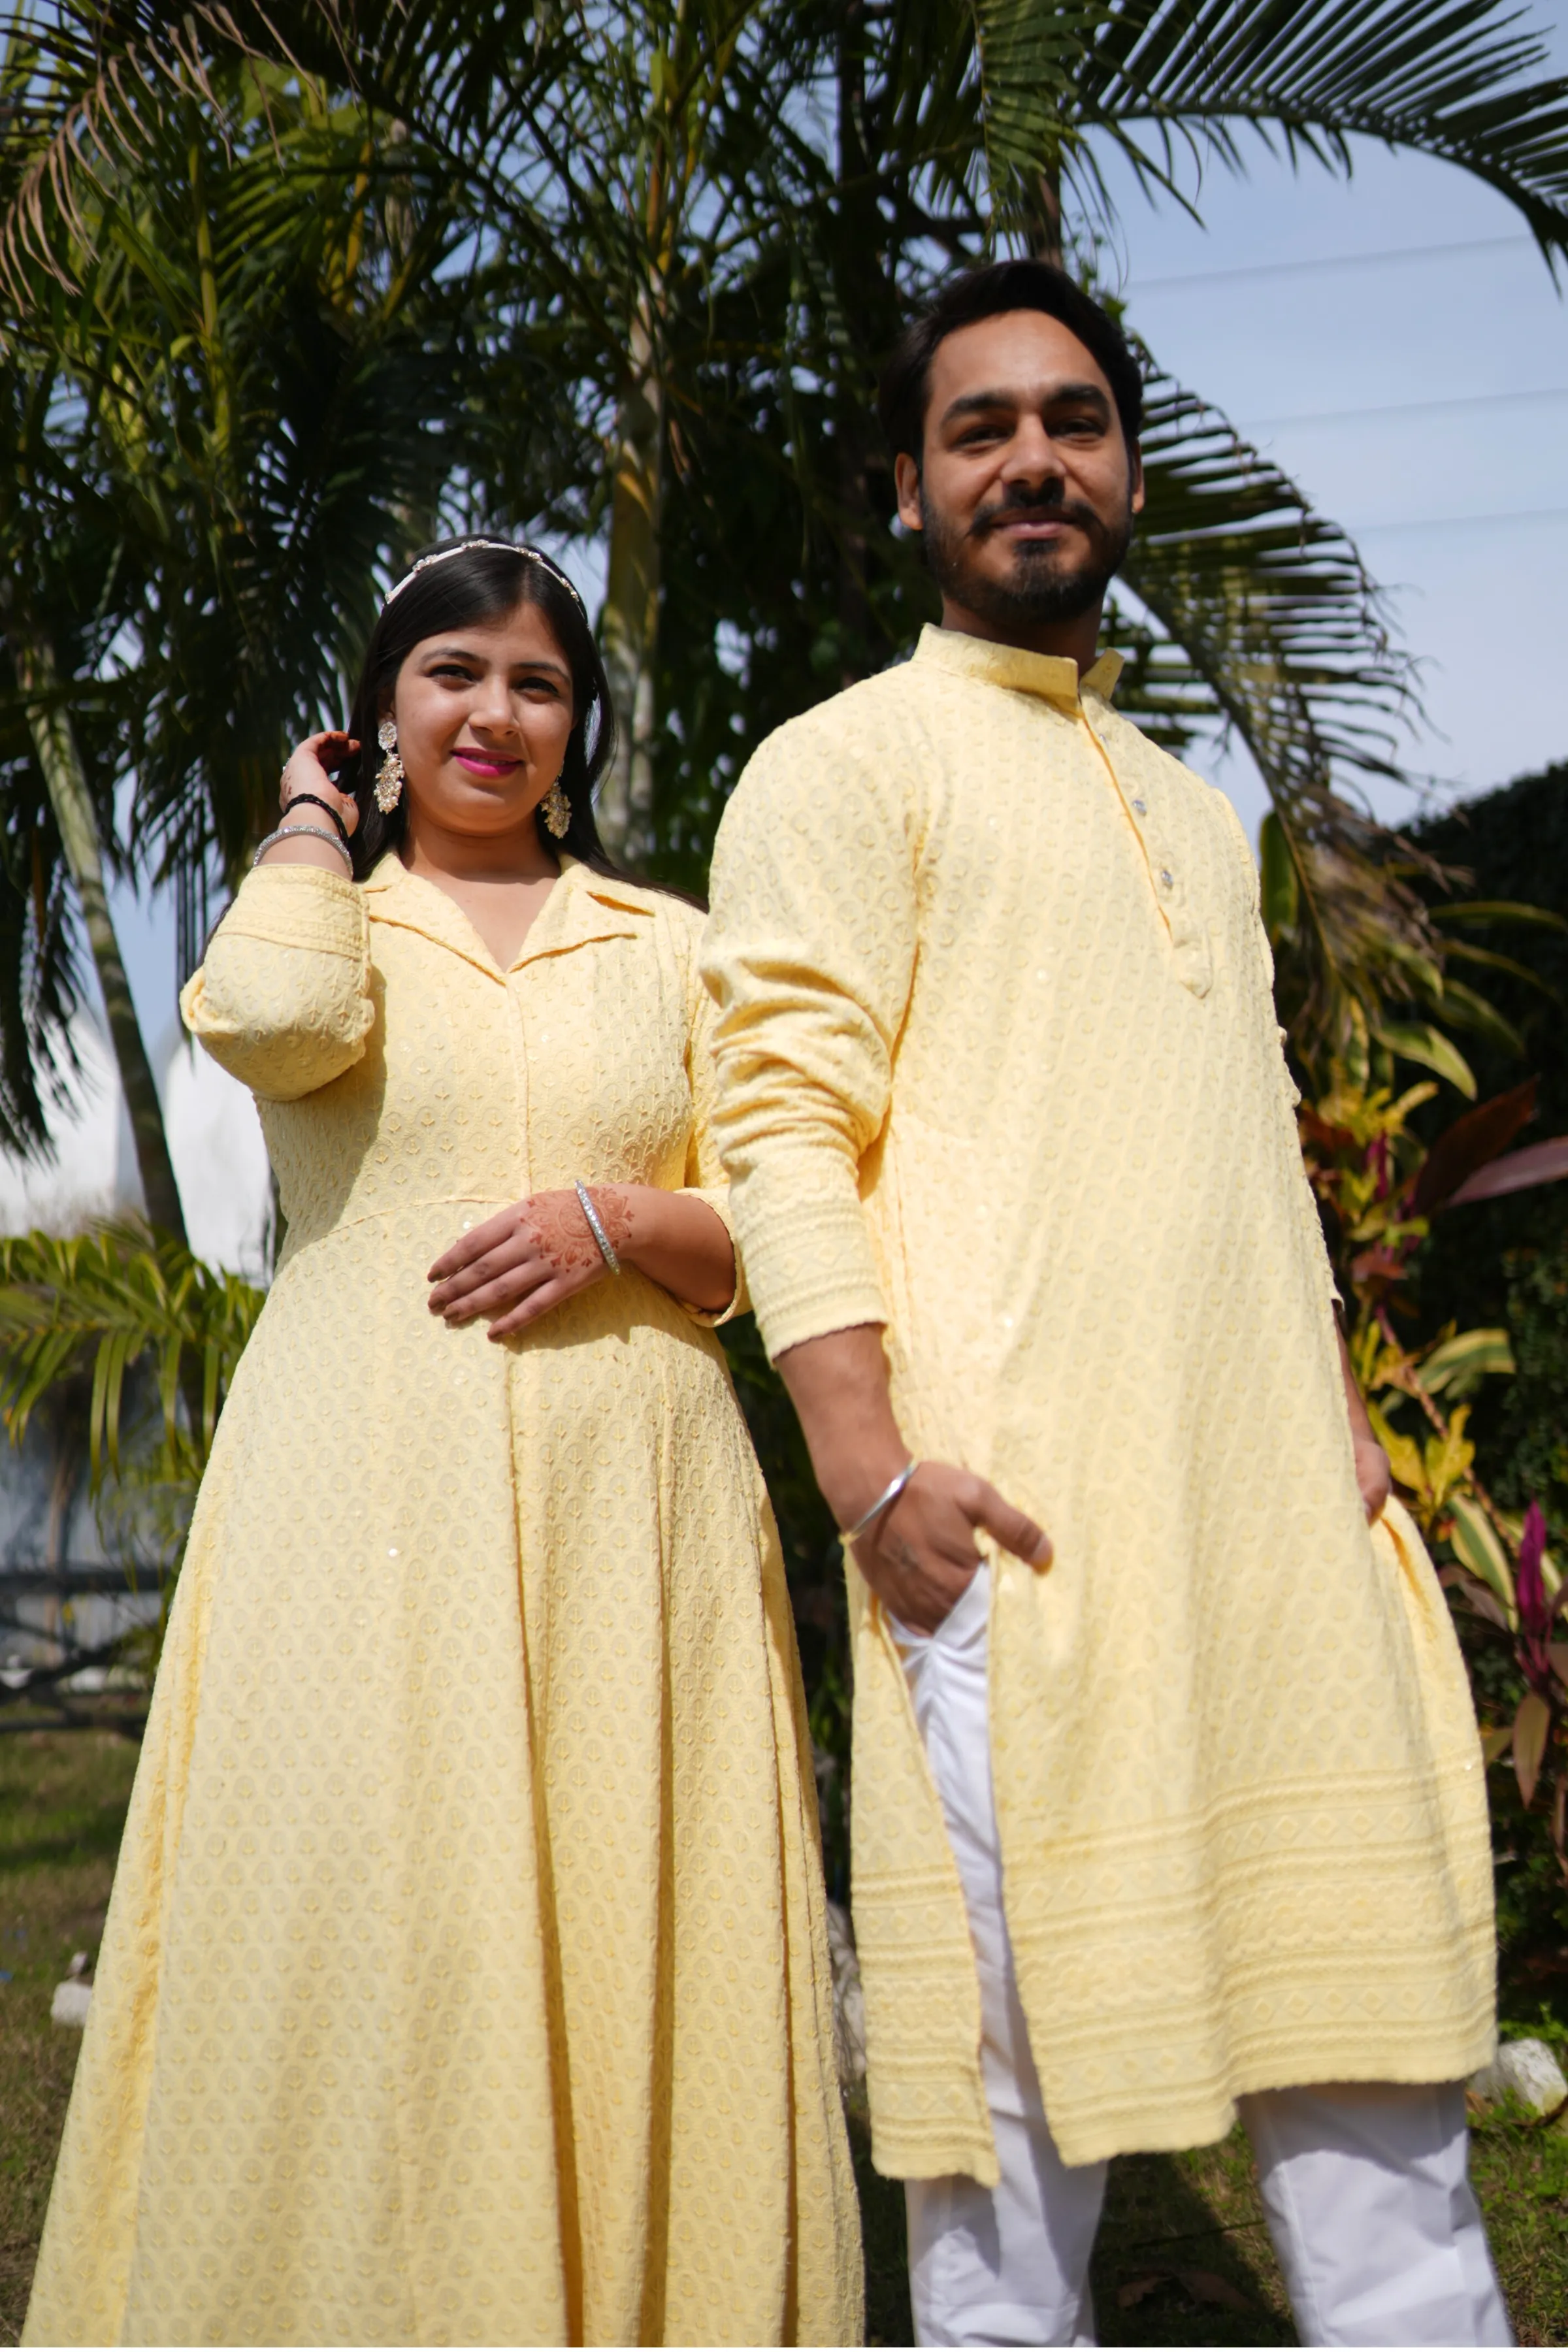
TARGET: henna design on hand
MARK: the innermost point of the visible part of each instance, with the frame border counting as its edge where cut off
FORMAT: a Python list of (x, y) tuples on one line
[(555, 1222)]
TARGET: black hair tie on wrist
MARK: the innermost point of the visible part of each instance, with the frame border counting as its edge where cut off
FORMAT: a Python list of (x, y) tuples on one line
[(315, 801)]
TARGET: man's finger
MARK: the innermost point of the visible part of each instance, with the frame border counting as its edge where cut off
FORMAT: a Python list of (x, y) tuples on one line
[(1014, 1530)]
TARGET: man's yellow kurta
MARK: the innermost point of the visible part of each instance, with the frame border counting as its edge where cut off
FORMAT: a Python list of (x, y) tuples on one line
[(465, 1978), (998, 1067)]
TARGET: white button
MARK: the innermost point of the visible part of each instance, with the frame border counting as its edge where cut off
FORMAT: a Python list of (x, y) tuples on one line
[(1165, 875), (1141, 807)]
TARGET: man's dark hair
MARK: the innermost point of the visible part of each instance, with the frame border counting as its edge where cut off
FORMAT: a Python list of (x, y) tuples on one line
[(987, 293)]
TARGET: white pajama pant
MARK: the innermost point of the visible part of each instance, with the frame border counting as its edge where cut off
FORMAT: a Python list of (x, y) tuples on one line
[(1366, 2186)]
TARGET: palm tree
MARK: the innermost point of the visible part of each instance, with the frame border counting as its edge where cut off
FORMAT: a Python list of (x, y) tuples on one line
[(698, 223), (233, 380), (948, 132), (62, 594)]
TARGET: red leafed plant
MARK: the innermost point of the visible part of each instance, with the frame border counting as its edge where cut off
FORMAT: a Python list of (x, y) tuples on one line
[(1379, 1187)]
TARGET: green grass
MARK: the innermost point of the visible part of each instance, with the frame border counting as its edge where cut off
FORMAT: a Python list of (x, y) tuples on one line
[(62, 1805), (1184, 2257)]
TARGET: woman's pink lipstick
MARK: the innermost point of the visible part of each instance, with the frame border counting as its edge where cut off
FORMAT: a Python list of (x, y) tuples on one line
[(488, 765)]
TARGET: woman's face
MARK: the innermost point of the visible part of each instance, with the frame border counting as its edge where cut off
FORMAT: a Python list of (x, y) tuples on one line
[(483, 719)]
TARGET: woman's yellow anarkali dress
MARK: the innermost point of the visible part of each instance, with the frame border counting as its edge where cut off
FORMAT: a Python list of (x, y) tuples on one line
[(465, 1978)]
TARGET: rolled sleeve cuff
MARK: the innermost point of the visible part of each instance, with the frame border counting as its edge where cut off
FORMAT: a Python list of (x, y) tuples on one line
[(809, 1263), (717, 1197)]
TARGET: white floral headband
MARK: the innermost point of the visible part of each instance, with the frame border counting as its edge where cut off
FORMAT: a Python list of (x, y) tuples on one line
[(500, 547)]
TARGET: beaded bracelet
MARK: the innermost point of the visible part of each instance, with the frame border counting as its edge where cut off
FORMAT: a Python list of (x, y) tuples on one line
[(314, 800)]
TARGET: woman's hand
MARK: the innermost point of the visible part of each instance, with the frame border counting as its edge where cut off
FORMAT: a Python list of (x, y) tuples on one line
[(516, 1267), (311, 768)]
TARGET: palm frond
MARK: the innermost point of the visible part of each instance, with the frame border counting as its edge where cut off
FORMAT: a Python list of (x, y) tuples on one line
[(106, 1302), (1460, 79), (1272, 627)]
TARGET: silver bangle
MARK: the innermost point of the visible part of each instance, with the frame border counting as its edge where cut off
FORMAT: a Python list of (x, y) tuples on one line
[(597, 1228), (315, 832), (885, 1501)]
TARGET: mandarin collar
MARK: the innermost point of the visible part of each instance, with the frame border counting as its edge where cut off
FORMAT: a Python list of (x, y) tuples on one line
[(582, 907), (1052, 677)]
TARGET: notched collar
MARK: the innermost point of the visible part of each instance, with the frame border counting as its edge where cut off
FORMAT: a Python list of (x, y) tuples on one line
[(582, 908)]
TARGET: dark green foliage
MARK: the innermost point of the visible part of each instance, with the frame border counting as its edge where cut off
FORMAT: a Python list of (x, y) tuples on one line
[(1505, 1262), (813, 1563)]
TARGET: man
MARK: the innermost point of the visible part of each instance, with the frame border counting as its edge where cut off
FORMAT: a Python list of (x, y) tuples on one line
[(1186, 1814)]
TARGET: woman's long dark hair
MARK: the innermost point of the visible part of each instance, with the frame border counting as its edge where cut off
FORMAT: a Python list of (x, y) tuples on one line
[(483, 582)]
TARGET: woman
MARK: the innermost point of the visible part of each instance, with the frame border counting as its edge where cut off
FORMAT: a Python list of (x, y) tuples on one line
[(465, 1978)]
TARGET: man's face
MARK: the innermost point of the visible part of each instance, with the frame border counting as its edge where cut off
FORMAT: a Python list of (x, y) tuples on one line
[(1027, 490)]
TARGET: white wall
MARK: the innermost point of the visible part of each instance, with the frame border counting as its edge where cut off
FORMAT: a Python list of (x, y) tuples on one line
[(215, 1142)]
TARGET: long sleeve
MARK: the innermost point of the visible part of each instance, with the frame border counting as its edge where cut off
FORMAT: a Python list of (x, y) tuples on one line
[(809, 956), (283, 999), (704, 1171)]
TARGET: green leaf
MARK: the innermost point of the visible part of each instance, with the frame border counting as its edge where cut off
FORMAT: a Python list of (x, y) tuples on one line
[(1466, 1010), (1278, 889), (1531, 1729), (1418, 1041), (1460, 1364), (1475, 1544), (1498, 910)]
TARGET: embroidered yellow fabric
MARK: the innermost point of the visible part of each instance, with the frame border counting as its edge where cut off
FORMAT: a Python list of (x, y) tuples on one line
[(999, 1068), (466, 1978)]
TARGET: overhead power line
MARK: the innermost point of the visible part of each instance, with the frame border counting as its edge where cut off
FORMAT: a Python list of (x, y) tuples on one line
[(1410, 408), (1461, 522), (1395, 252)]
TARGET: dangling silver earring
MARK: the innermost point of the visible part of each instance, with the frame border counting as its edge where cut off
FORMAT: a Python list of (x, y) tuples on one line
[(389, 775), (557, 811)]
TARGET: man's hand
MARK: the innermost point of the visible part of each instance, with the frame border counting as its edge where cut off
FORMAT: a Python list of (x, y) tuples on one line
[(1372, 1474), (920, 1557)]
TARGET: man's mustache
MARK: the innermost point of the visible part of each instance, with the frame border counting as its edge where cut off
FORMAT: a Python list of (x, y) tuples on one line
[(1023, 503)]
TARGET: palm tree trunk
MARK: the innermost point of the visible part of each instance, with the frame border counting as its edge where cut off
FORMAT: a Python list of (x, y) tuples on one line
[(1046, 227), (54, 739), (859, 226), (630, 620)]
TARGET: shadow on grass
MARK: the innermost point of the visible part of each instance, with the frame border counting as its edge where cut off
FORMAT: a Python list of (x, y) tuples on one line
[(882, 2227), (1185, 2234), (1182, 2240)]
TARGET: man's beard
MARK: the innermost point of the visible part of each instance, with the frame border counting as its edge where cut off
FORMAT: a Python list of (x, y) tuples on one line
[(1041, 587)]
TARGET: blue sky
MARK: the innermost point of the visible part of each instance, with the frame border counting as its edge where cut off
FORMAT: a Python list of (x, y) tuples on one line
[(1477, 322)]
